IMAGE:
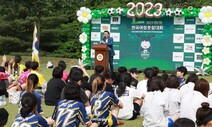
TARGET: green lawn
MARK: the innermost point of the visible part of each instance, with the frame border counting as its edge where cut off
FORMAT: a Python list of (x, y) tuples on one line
[(13, 109)]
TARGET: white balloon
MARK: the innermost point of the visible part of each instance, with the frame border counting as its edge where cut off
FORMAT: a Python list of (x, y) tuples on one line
[(79, 13), (82, 8), (130, 12), (201, 15), (89, 17), (85, 20), (80, 19)]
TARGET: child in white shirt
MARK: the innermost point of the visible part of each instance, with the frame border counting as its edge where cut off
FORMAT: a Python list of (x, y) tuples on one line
[(173, 95), (142, 85), (192, 100), (155, 104)]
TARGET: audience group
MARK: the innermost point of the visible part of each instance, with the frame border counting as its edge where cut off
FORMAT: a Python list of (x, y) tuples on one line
[(105, 98)]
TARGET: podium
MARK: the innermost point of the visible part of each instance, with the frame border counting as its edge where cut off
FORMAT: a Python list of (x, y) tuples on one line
[(101, 55)]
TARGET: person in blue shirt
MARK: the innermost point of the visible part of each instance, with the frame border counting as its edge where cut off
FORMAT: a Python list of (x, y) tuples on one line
[(32, 82), (104, 105), (70, 112), (28, 116), (109, 42), (181, 72)]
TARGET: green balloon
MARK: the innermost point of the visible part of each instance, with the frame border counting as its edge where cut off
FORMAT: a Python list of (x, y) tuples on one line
[(185, 14), (198, 10), (195, 14), (207, 26), (208, 71), (205, 31)]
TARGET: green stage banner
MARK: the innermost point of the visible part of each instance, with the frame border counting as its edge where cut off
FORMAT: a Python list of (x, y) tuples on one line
[(145, 42)]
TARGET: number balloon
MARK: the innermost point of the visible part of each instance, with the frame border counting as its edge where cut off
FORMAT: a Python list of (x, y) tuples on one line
[(130, 12)]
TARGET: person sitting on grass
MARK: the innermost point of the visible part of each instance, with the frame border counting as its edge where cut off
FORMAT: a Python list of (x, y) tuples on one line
[(193, 100), (173, 95), (54, 87), (32, 82), (3, 89), (28, 116), (148, 75), (155, 105), (105, 105), (98, 70), (131, 98), (109, 80), (76, 75), (20, 85), (17, 67), (70, 112), (189, 84), (181, 72), (41, 88), (62, 64), (135, 74)]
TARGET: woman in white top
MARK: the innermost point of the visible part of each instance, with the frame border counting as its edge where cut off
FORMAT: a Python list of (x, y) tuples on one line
[(173, 95), (142, 85), (204, 115), (155, 104), (130, 97), (189, 84), (192, 100)]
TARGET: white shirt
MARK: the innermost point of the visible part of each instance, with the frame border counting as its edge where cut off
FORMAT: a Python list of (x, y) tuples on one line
[(127, 99), (174, 100), (190, 103), (187, 88), (142, 86), (154, 105), (106, 40)]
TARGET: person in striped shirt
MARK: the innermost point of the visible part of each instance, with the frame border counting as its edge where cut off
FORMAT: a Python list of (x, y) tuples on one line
[(104, 105), (70, 112), (28, 116)]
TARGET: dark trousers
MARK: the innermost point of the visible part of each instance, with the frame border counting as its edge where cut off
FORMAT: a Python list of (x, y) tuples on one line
[(111, 63)]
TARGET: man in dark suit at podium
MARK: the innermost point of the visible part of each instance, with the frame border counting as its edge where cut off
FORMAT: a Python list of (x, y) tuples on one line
[(109, 42)]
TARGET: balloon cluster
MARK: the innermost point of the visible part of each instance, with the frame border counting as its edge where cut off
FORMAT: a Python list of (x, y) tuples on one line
[(181, 12), (86, 46), (207, 43), (107, 12)]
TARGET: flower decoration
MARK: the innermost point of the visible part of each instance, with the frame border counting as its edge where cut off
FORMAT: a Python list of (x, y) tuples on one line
[(83, 56), (205, 50), (205, 14), (83, 38), (84, 49), (84, 15), (206, 61), (207, 40), (119, 11), (169, 12), (111, 11)]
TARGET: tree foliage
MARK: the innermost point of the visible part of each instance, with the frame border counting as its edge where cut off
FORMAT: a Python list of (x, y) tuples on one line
[(57, 22)]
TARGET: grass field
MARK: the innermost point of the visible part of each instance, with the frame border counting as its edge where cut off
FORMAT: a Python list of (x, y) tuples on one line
[(13, 109)]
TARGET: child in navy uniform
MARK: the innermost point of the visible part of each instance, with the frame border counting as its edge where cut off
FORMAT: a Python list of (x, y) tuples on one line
[(104, 105), (70, 112), (28, 116)]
